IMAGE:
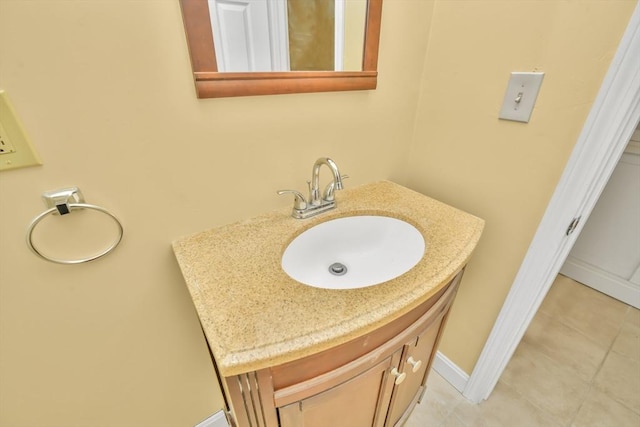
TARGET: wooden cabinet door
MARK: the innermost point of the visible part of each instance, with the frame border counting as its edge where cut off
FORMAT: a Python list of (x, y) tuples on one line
[(362, 401), (415, 364)]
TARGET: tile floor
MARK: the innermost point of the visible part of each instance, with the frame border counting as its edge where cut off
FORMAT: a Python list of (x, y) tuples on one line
[(578, 365)]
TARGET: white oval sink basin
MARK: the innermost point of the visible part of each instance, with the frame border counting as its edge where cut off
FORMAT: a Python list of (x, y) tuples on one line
[(353, 252)]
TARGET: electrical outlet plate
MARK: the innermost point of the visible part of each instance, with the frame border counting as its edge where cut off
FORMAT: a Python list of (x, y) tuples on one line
[(520, 97), (15, 149)]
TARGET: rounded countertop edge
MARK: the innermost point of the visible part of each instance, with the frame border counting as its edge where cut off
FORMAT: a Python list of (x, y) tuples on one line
[(237, 359)]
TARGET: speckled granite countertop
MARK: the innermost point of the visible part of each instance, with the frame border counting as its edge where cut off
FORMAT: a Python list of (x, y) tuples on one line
[(255, 316)]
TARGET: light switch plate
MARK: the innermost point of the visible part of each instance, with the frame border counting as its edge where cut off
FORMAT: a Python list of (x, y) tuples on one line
[(15, 149), (520, 97)]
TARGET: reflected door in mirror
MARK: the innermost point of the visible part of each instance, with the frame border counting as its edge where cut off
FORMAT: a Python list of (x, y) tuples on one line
[(293, 35), (250, 35)]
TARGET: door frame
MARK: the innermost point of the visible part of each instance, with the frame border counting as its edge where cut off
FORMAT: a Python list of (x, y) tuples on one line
[(607, 130)]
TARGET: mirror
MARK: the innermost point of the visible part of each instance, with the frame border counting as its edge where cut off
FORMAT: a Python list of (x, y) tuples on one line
[(212, 82)]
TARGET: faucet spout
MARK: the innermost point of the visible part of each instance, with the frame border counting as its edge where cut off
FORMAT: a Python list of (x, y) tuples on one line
[(314, 197), (317, 203)]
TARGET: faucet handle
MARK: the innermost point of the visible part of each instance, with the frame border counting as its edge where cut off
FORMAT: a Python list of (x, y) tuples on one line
[(330, 189), (299, 201)]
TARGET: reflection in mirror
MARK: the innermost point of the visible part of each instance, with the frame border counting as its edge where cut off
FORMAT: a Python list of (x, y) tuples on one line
[(310, 49), (288, 35)]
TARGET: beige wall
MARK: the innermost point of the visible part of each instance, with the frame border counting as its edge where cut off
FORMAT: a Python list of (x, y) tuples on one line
[(104, 90), (311, 28), (504, 172)]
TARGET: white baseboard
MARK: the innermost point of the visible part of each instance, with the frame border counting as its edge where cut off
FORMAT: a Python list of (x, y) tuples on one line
[(216, 420), (602, 281), (450, 372)]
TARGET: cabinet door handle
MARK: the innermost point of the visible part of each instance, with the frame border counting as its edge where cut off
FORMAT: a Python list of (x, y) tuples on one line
[(415, 364), (400, 376)]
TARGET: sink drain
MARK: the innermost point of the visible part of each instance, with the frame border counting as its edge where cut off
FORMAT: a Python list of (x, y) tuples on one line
[(338, 269)]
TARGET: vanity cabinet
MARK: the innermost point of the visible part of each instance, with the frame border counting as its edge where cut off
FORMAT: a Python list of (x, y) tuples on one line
[(290, 355), (371, 381), (359, 401)]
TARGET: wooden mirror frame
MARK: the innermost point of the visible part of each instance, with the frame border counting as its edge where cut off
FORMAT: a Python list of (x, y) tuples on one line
[(212, 84)]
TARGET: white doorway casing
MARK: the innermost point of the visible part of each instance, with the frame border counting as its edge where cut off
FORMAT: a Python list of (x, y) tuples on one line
[(610, 124)]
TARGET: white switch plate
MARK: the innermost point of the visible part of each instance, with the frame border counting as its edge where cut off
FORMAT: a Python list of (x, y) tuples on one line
[(521, 95)]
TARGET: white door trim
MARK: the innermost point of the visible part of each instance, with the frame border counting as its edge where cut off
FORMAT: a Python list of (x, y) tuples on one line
[(338, 40), (279, 35), (608, 128)]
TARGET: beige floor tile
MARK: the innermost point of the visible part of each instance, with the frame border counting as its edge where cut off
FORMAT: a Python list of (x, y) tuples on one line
[(420, 418), (550, 386), (561, 373), (438, 402), (504, 408), (599, 410), (619, 378), (628, 341), (565, 345), (451, 421), (596, 315), (633, 316)]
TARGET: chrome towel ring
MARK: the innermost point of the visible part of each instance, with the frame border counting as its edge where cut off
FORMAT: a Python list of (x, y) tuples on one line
[(63, 202)]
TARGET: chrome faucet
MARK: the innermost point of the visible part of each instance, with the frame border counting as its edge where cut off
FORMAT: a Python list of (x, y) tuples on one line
[(314, 191), (317, 203)]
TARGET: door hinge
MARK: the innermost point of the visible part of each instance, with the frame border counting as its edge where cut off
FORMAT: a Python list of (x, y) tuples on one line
[(573, 225)]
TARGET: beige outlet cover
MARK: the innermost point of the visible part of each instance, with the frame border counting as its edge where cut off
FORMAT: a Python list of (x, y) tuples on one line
[(15, 149)]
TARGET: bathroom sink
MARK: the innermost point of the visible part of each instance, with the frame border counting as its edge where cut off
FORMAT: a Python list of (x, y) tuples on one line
[(353, 252)]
